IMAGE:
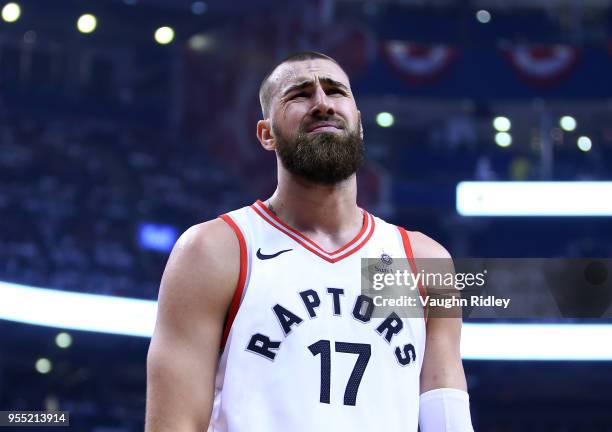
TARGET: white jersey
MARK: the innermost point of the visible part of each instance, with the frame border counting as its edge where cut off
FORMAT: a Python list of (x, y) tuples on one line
[(302, 350)]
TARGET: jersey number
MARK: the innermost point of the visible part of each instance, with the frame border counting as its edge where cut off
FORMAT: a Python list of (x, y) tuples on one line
[(363, 351)]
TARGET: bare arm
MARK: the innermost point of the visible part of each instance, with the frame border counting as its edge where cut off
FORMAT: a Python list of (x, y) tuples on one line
[(442, 366), (195, 293)]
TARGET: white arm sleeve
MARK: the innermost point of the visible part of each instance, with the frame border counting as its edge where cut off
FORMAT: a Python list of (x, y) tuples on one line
[(445, 410)]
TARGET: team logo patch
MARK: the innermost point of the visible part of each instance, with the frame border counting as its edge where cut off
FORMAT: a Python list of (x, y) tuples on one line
[(384, 265)]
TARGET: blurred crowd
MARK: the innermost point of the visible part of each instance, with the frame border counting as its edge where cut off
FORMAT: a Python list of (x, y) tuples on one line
[(74, 192)]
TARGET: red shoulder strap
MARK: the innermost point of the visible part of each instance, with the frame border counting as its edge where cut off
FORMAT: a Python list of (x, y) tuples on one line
[(410, 256), (235, 305)]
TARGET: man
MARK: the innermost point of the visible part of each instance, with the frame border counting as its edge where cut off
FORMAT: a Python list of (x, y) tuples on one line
[(261, 323)]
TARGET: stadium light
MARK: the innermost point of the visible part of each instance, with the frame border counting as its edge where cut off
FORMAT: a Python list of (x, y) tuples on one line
[(63, 340), (568, 123), (87, 23), (43, 365), (513, 198), (157, 237), (481, 341), (164, 35), (502, 124), (77, 311), (199, 7), (133, 317), (200, 42), (503, 139), (584, 143), (483, 16), (385, 119), (11, 12)]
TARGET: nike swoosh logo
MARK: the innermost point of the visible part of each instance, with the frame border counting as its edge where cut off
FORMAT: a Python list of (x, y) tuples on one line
[(265, 257)]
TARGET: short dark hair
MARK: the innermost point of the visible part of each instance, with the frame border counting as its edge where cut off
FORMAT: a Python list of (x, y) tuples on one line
[(265, 89)]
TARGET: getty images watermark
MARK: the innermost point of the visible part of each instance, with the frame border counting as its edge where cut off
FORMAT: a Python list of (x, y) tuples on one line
[(440, 282), (528, 288), (421, 285)]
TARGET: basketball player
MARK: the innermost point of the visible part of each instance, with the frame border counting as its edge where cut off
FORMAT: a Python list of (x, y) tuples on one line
[(261, 323)]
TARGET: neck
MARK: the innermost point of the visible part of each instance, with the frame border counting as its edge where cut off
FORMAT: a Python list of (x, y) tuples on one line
[(325, 209)]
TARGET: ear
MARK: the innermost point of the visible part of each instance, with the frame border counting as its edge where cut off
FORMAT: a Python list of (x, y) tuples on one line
[(264, 135), (360, 125)]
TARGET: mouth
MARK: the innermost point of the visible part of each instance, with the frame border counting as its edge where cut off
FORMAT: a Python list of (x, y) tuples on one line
[(323, 127)]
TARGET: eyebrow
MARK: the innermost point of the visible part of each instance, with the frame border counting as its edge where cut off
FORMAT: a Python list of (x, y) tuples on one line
[(308, 82)]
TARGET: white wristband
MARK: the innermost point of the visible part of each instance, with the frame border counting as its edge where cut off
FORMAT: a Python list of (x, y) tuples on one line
[(445, 410)]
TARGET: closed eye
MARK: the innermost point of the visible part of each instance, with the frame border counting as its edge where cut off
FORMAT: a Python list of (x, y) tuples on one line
[(300, 94), (330, 91)]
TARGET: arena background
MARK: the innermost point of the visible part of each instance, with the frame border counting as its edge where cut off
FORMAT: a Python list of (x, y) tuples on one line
[(113, 143)]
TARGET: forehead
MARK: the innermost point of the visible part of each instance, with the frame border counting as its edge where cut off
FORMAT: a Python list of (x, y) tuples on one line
[(288, 74)]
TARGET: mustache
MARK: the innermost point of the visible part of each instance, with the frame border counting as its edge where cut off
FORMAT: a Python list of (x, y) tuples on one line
[(337, 121)]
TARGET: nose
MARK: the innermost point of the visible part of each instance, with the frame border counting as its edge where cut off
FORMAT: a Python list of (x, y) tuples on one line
[(322, 104)]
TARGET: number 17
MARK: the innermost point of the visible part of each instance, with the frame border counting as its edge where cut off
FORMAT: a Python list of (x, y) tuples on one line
[(363, 351)]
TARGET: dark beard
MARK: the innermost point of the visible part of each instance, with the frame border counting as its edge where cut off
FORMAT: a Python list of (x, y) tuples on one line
[(324, 158)]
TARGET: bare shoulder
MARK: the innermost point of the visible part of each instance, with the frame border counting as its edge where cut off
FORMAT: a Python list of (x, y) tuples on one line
[(424, 246), (202, 270), (213, 241), (205, 237)]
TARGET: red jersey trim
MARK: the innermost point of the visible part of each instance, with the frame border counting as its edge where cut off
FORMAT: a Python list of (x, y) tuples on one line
[(410, 256), (366, 232), (240, 285), (265, 208)]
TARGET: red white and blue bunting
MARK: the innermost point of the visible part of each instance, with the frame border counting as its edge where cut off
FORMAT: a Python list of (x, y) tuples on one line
[(542, 65), (418, 63)]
